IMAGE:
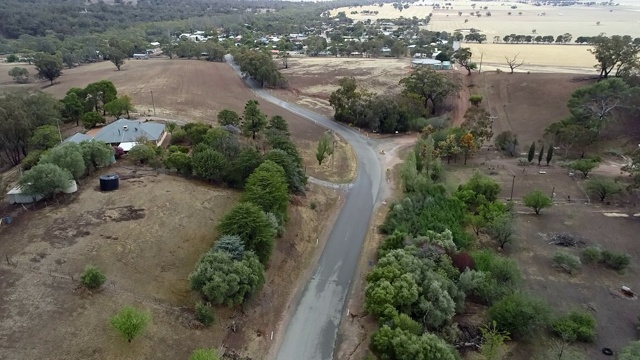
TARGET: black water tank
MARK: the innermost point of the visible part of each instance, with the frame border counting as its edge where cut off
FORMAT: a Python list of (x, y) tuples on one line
[(109, 182)]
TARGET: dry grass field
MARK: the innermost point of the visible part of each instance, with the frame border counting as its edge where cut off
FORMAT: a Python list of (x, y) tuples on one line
[(188, 90), (147, 237), (313, 79), (576, 20)]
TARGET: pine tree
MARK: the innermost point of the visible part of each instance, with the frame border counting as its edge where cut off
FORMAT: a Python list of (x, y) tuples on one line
[(549, 154), (541, 155), (532, 152)]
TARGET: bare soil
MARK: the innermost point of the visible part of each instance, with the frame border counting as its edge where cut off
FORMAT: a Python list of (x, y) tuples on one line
[(147, 237)]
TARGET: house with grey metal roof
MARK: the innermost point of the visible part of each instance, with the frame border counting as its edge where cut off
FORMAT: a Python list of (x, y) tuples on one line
[(77, 138), (125, 133)]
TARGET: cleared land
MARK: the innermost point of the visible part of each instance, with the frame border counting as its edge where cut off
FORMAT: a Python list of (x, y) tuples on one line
[(313, 79), (147, 236), (576, 20), (188, 90)]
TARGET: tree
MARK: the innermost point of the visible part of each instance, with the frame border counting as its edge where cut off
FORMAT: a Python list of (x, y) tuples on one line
[(242, 166), (603, 188), (260, 66), (429, 85), (549, 154), (513, 62), (568, 133), (576, 326), (537, 201), (100, 93), (584, 166), (67, 156), (204, 354), (209, 165), (228, 117), (179, 161), (493, 344), (119, 107), (253, 120), (277, 122), (45, 137), (45, 179), (96, 154), (468, 146), (73, 108), (593, 105), (296, 179), (196, 132), (501, 229), (223, 280), (130, 322), (141, 154), (401, 344), (479, 123), (267, 187), (91, 119), (462, 56), (540, 154), (93, 277), (615, 52), (117, 57), (19, 75), (251, 224), (48, 66), (532, 152), (325, 148), (518, 314)]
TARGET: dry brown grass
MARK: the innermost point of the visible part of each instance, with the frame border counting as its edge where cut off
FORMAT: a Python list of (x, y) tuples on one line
[(147, 237)]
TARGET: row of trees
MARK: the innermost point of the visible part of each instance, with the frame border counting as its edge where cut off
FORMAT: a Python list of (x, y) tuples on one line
[(260, 66), (94, 102), (210, 50)]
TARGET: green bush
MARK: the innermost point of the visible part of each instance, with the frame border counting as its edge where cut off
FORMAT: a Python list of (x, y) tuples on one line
[(592, 255), (178, 148), (141, 153), (502, 276), (204, 354), (130, 322), (204, 313), (32, 159), (178, 136), (576, 326), (616, 261), (93, 277), (631, 351), (518, 314), (570, 263)]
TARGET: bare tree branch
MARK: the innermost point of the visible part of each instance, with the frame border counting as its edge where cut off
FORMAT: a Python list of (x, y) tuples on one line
[(513, 63)]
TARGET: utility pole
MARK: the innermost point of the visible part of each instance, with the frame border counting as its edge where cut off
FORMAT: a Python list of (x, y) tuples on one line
[(480, 68), (513, 182), (153, 103), (59, 132)]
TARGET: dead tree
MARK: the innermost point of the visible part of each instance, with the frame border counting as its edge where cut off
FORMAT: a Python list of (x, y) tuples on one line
[(513, 63)]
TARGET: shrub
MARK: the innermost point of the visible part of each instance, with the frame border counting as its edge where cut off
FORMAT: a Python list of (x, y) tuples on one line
[(67, 156), (204, 313), (475, 99), (93, 277), (179, 161), (178, 148), (518, 314), (231, 244), (178, 136), (508, 142), (616, 261), (584, 166), (502, 276), (141, 154), (204, 354), (570, 263), (313, 205), (92, 118), (575, 326), (592, 255), (130, 322), (399, 344), (45, 179), (603, 188), (631, 351), (267, 187), (31, 159), (252, 225)]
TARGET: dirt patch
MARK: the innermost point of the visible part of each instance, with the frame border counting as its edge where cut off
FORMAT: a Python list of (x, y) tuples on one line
[(147, 236)]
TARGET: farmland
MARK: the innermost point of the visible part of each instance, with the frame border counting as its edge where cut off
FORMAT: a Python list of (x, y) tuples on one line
[(147, 237), (579, 21)]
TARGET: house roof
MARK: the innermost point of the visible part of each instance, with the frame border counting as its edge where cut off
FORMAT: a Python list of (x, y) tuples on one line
[(77, 138), (125, 130)]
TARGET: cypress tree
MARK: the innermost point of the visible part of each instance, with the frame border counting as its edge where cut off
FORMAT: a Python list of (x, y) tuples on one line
[(549, 154), (541, 154), (532, 151)]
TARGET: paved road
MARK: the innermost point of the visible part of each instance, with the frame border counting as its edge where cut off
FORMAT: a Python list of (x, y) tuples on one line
[(312, 331)]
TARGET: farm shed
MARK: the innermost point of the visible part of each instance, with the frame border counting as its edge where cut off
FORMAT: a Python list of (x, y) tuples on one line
[(435, 64), (15, 195)]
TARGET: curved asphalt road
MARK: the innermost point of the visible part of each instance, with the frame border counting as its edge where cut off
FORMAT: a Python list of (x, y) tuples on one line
[(312, 331)]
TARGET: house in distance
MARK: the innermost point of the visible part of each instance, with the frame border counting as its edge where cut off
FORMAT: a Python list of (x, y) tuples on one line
[(125, 133)]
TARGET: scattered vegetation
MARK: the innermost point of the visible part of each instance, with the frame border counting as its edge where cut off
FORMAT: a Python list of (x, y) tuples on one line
[(204, 313), (568, 262), (537, 201), (575, 326)]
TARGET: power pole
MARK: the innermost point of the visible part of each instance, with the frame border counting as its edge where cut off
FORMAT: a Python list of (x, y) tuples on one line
[(480, 68), (513, 182), (153, 103)]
